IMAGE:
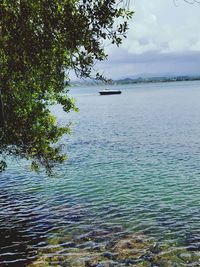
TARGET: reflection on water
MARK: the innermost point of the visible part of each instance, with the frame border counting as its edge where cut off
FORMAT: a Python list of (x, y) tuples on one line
[(19, 233), (129, 194)]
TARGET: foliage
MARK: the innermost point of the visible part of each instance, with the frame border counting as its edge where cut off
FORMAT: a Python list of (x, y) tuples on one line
[(40, 41)]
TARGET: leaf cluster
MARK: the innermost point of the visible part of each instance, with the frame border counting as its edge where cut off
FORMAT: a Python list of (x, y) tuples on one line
[(40, 41)]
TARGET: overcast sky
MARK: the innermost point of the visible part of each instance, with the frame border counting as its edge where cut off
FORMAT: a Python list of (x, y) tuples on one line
[(163, 37)]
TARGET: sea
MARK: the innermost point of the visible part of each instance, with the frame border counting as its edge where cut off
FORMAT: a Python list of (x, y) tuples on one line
[(129, 193)]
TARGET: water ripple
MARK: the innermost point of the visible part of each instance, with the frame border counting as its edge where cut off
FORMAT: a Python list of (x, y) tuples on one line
[(129, 194)]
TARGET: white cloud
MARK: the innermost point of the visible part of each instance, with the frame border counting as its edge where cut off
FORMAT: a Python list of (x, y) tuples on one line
[(163, 38), (160, 25)]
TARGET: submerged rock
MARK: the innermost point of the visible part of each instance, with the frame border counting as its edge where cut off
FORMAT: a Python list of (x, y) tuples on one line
[(137, 250), (68, 244), (130, 262), (195, 247), (110, 255)]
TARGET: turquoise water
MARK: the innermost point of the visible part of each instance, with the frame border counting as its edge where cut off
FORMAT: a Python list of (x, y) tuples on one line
[(134, 165)]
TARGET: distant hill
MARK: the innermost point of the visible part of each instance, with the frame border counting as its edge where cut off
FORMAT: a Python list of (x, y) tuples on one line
[(157, 79), (143, 79)]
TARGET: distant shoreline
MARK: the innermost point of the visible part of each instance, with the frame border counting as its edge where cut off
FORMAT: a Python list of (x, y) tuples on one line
[(158, 79), (137, 80)]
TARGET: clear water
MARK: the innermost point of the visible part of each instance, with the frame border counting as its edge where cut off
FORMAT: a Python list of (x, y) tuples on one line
[(134, 165)]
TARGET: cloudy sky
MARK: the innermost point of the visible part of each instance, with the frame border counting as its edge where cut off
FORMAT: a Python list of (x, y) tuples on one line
[(163, 38)]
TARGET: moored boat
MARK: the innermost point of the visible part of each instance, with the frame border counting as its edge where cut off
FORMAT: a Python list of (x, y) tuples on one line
[(110, 92)]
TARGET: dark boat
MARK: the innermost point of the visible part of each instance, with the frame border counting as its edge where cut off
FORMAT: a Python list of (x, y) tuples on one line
[(110, 92)]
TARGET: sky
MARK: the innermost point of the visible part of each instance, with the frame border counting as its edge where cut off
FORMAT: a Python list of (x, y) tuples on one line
[(163, 38)]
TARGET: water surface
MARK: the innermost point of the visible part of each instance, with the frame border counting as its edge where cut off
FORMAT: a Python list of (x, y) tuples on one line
[(134, 167)]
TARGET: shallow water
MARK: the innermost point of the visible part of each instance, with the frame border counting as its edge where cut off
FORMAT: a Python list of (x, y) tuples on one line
[(134, 167)]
